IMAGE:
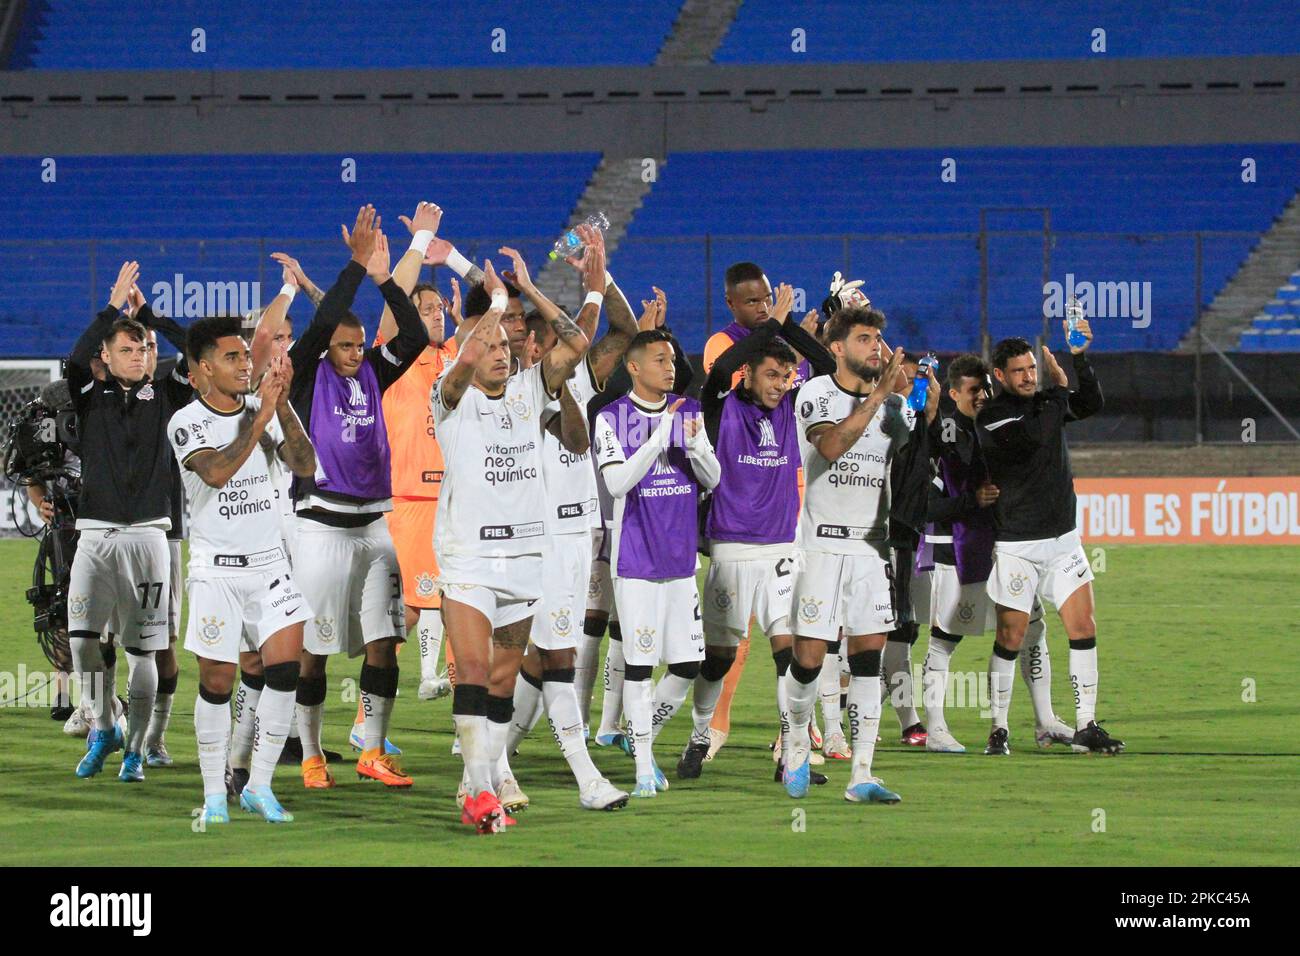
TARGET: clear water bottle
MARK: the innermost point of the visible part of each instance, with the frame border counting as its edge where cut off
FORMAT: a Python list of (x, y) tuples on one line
[(571, 244), (921, 385), (1073, 316)]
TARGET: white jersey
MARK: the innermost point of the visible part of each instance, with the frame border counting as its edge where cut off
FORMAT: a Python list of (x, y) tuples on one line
[(846, 501), (571, 496), (492, 502), (236, 528)]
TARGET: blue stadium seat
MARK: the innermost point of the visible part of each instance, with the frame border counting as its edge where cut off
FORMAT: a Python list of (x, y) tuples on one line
[(802, 215), (218, 218), (1277, 328), (74, 35), (845, 31)]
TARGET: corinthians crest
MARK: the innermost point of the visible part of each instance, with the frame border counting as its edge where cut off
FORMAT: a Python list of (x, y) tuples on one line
[(645, 639), (1017, 584), (723, 599), (810, 610), (210, 630), (423, 584), (325, 629), (77, 605), (562, 622), (965, 611)]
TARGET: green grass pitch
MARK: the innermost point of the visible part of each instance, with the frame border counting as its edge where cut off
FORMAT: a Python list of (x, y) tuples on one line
[(1208, 778)]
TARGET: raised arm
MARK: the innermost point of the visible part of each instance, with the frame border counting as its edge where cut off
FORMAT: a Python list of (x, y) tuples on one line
[(560, 361), (423, 227), (718, 384), (569, 426), (1087, 400), (338, 300), (305, 285), (395, 356), (270, 322)]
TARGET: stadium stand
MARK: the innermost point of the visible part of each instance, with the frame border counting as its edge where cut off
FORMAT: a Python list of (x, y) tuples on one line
[(1277, 329), (897, 30), (56, 34), (218, 218), (801, 215)]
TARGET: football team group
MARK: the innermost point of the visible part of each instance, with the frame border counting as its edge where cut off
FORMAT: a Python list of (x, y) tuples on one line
[(532, 484)]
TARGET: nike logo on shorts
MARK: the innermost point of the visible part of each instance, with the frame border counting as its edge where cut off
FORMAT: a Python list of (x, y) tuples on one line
[(289, 612)]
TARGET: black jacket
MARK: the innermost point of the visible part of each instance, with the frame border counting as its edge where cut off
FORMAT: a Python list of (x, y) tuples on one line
[(127, 463), (1023, 440)]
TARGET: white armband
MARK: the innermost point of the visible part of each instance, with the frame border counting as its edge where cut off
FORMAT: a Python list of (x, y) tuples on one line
[(420, 241), (595, 298), (459, 263), (500, 300), (289, 290)]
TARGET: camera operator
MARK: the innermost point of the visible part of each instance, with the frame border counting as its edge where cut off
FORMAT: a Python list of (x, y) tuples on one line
[(121, 572)]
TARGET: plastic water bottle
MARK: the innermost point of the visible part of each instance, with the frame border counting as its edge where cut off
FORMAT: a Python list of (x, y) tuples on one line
[(921, 385), (571, 244), (1073, 316)]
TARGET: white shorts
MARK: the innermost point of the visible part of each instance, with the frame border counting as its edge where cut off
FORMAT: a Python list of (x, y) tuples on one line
[(517, 593), (566, 573), (920, 591), (350, 579), (962, 609), (240, 612), (1051, 569), (834, 591), (661, 621), (736, 591), (120, 577), (600, 586), (174, 604)]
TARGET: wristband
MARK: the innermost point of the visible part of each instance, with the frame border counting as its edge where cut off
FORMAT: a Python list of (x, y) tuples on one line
[(289, 290), (595, 298), (609, 279), (459, 264), (420, 241), (500, 300)]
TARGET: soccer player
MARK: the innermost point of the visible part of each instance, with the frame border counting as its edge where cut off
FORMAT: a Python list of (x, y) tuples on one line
[(239, 572), (1037, 552), (491, 526), (120, 572), (961, 537), (352, 580), (753, 562), (654, 462), (548, 669), (851, 427)]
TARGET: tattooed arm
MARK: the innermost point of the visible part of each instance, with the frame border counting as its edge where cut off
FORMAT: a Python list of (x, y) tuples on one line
[(217, 466), (296, 450), (570, 427), (573, 343)]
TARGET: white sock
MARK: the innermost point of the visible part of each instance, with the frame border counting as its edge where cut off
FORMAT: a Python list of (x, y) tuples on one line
[(498, 761), (934, 681), (241, 741), (428, 630), (864, 722), (704, 702), (611, 706), (528, 710), (669, 697), (637, 695), (584, 673), (212, 730), (293, 725), (828, 687), (88, 662), (376, 712), (898, 670), (561, 700), (274, 713), (310, 718), (1002, 677), (475, 750), (1083, 678), (162, 715), (802, 698), (142, 685), (1036, 670)]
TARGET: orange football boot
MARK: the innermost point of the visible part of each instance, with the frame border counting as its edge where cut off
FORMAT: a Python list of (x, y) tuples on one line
[(380, 766), (315, 775)]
